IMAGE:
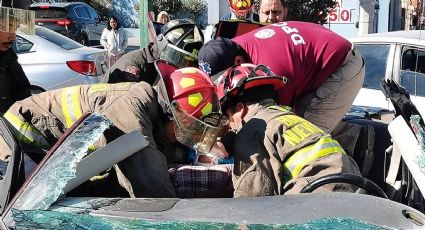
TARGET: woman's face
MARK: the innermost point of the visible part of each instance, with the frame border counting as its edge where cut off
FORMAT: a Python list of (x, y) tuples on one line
[(113, 23), (164, 19)]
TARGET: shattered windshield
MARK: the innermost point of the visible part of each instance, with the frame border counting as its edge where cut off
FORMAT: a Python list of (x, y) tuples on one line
[(45, 187), (60, 220)]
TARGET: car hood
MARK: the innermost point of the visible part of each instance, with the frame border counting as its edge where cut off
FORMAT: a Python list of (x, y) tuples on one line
[(289, 212)]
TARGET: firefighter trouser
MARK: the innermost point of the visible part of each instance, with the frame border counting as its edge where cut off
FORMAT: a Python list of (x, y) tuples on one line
[(326, 106)]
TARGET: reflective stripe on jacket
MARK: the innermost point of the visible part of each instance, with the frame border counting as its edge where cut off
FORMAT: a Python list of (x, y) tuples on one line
[(298, 129), (70, 104), (43, 118), (129, 106), (26, 132), (277, 152), (298, 160)]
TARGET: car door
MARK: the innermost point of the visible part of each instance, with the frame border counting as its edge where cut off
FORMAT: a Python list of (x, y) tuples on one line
[(86, 24), (12, 173), (412, 74), (379, 59), (98, 24)]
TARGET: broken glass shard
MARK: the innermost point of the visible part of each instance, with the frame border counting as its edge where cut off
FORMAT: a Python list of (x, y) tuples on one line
[(418, 130), (46, 186)]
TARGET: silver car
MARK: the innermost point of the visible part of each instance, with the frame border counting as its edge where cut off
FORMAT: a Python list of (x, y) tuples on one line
[(51, 60), (399, 56)]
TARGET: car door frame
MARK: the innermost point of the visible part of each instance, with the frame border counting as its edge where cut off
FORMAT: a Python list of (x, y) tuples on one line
[(98, 25), (87, 27), (401, 47), (389, 69), (15, 173)]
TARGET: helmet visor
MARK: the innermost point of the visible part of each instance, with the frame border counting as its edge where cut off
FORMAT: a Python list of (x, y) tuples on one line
[(194, 133), (12, 20), (178, 57), (182, 31)]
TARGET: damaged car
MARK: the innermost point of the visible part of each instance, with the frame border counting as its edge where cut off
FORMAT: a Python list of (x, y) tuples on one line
[(48, 198)]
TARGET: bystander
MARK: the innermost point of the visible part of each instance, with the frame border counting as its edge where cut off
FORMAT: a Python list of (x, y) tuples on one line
[(272, 11), (14, 85)]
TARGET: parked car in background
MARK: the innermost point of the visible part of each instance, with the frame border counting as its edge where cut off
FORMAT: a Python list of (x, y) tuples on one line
[(392, 55), (76, 20), (51, 60)]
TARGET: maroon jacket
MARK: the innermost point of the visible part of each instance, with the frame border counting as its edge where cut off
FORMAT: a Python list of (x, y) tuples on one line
[(303, 52)]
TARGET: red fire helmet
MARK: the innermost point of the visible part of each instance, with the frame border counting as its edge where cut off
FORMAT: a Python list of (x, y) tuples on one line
[(240, 78)]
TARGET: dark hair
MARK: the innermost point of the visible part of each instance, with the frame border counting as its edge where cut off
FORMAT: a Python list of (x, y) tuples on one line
[(109, 22)]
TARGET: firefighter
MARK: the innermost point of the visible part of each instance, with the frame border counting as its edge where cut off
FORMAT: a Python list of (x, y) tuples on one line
[(241, 10), (191, 116), (276, 152), (178, 43), (324, 72)]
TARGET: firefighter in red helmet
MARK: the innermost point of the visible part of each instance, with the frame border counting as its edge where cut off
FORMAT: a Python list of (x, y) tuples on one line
[(192, 103), (276, 152), (241, 10), (186, 95)]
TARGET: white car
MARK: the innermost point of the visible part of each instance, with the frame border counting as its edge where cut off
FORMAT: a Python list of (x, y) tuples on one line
[(399, 56), (51, 60)]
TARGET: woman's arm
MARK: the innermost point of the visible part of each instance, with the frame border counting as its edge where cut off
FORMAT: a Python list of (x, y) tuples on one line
[(104, 39)]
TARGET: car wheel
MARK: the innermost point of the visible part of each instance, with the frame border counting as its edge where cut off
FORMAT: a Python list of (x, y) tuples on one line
[(36, 90), (84, 40)]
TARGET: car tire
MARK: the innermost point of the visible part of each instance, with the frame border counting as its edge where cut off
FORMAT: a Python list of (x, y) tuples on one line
[(84, 40)]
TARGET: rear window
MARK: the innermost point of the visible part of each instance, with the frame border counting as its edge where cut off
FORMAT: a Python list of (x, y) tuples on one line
[(51, 12), (375, 57), (57, 38)]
